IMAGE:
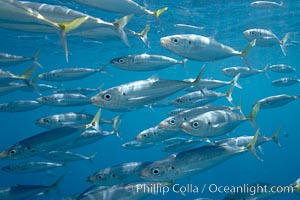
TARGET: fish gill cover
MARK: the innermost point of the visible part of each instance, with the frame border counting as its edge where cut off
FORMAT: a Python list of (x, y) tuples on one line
[(148, 54)]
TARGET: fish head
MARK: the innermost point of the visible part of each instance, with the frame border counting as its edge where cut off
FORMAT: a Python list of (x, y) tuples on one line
[(251, 34), (195, 127), (16, 151), (163, 170), (182, 101), (42, 76), (172, 123), (104, 177), (109, 99), (122, 61), (44, 122), (174, 43)]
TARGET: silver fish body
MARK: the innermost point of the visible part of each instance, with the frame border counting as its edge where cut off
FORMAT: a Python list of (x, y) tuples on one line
[(145, 62), (136, 145), (80, 90), (284, 82), (66, 156), (197, 47), (266, 38), (282, 68), (9, 59), (65, 119), (123, 173), (40, 143), (243, 71), (64, 100), (276, 101), (174, 122), (197, 98), (138, 94), (266, 4), (67, 74), (19, 106), (189, 162), (213, 123), (30, 167)]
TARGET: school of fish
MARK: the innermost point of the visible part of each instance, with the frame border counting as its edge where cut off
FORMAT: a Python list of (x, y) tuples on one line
[(197, 132)]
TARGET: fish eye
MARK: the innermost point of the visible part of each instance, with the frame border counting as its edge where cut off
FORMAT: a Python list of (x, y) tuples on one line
[(175, 40), (99, 177), (209, 123), (252, 33), (46, 120), (179, 100), (144, 135), (195, 124), (12, 152), (107, 97), (113, 175), (155, 171), (172, 121), (121, 60)]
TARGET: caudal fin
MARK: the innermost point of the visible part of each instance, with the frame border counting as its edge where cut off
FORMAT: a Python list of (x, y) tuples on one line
[(95, 122), (252, 143), (119, 25), (253, 114), (283, 43), (274, 138), (229, 94), (66, 27), (158, 13), (234, 81), (35, 58), (246, 50)]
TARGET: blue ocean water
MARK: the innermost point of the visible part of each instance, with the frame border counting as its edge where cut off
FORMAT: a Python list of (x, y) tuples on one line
[(223, 20)]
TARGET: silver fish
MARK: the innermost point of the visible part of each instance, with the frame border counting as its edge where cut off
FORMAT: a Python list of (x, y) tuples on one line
[(72, 119), (243, 71), (282, 68), (9, 59), (123, 173), (30, 167), (284, 82), (140, 93), (46, 141), (266, 38), (212, 84), (68, 74), (201, 98), (64, 100), (66, 156), (136, 145), (131, 191), (275, 101), (27, 191), (190, 162), (216, 123), (145, 62), (19, 106), (174, 122), (266, 4), (197, 47)]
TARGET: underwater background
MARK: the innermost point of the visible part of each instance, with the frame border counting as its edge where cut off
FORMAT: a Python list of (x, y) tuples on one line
[(223, 20)]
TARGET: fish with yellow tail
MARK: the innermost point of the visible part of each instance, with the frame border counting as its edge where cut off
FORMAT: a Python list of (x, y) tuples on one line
[(46, 141), (201, 48), (194, 161)]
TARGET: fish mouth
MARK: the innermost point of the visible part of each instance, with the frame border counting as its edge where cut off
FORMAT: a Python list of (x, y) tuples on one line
[(3, 155), (163, 42)]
